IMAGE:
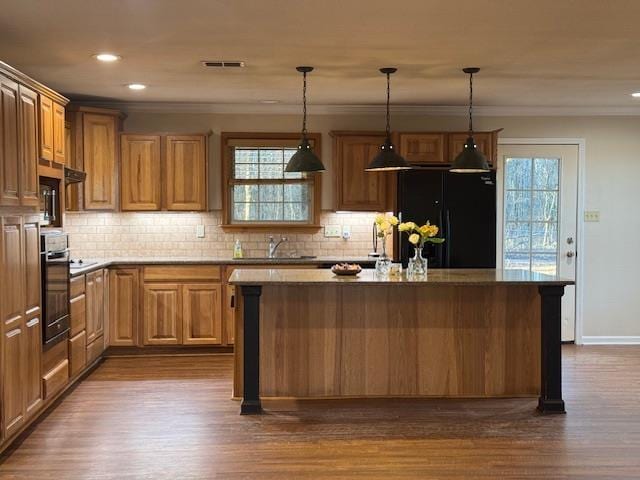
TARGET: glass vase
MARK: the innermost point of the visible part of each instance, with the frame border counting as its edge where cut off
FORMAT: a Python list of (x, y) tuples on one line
[(383, 263), (417, 267)]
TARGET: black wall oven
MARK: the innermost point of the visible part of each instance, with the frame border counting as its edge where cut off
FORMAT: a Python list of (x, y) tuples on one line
[(54, 262)]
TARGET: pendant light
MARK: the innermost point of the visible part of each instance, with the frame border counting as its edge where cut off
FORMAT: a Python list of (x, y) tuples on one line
[(388, 159), (304, 160), (470, 160)]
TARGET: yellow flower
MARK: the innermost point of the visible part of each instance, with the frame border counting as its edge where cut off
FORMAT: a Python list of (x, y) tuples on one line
[(393, 220), (434, 231), (384, 226), (414, 238), (379, 218), (406, 226)]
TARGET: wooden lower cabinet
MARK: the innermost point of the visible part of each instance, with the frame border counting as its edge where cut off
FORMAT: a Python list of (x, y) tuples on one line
[(56, 379), (77, 353), (229, 314), (202, 314), (13, 398), (182, 313), (95, 349), (95, 308), (124, 305), (162, 314)]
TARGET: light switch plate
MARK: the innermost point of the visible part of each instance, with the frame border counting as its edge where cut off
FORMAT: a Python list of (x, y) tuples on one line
[(199, 231), (591, 216), (332, 231), (346, 232)]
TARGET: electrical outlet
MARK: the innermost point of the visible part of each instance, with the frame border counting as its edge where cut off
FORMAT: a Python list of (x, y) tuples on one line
[(592, 216), (332, 231), (346, 232), (199, 231)]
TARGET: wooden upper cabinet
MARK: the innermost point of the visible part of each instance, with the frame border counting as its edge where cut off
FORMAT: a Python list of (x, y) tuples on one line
[(99, 159), (423, 148), (59, 135), (202, 314), (486, 142), (185, 172), (140, 187), (46, 128), (162, 322), (9, 143), (124, 302), (356, 189), (28, 151)]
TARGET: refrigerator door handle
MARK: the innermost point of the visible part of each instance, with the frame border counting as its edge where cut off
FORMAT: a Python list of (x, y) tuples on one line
[(447, 238)]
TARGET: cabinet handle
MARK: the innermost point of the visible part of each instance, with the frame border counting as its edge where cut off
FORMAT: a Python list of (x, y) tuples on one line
[(233, 301)]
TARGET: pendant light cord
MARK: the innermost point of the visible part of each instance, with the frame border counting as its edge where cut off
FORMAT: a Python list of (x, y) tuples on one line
[(304, 104), (388, 99), (470, 104)]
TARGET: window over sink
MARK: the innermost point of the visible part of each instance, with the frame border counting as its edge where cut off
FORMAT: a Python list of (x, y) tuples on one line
[(257, 190)]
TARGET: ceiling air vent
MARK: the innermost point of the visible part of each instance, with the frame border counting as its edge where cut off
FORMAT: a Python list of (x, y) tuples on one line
[(222, 64)]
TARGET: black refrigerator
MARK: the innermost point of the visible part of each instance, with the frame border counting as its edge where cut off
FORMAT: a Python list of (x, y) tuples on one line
[(462, 205)]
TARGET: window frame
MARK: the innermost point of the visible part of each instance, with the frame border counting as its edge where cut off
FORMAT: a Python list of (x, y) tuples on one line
[(227, 180)]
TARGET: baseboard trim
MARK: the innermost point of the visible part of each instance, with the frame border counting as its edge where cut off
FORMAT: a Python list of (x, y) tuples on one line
[(624, 340)]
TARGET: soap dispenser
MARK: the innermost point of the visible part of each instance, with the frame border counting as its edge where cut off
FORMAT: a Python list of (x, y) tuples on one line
[(237, 250)]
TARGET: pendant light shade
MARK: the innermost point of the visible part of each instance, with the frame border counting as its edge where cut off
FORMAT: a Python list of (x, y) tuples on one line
[(388, 158), (304, 160), (470, 160)]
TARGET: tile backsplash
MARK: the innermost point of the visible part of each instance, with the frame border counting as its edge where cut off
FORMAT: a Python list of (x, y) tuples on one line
[(162, 234)]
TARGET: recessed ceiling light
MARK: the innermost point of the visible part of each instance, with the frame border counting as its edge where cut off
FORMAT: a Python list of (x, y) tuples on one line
[(269, 102), (136, 86), (636, 94), (107, 57)]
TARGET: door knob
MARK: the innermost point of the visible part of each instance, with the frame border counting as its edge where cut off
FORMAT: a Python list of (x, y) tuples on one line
[(570, 254)]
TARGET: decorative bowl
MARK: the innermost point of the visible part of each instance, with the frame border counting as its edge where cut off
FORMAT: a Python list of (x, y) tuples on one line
[(346, 269)]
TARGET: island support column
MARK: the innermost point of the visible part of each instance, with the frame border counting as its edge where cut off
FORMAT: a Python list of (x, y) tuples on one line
[(251, 397), (550, 400)]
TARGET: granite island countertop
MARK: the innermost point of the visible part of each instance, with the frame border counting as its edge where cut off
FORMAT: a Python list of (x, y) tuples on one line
[(121, 261), (277, 276)]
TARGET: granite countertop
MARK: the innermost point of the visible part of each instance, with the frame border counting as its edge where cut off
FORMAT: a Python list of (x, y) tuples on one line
[(103, 263), (368, 277)]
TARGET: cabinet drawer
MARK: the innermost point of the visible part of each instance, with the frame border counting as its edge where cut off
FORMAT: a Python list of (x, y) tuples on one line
[(56, 379), (95, 349), (77, 353), (78, 314), (76, 286), (170, 273)]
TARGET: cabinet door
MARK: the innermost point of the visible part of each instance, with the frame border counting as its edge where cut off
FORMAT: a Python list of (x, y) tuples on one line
[(484, 143), (46, 128), (356, 189), (9, 143), (13, 326), (140, 172), (124, 301), (423, 148), (33, 365), (162, 317), (99, 153), (229, 314), (185, 172), (59, 135), (28, 154), (31, 239), (99, 304), (202, 314), (90, 302)]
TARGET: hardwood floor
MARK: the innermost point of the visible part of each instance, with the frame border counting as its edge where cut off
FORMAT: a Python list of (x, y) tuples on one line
[(171, 418)]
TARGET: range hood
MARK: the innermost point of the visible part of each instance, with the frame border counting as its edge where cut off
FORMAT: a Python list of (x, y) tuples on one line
[(71, 175)]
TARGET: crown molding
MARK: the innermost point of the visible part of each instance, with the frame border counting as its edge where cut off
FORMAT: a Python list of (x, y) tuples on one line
[(431, 110)]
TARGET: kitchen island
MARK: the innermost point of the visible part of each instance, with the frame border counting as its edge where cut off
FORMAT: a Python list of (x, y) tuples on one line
[(454, 333)]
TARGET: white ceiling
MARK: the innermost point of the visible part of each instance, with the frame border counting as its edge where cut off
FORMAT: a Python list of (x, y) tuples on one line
[(561, 53)]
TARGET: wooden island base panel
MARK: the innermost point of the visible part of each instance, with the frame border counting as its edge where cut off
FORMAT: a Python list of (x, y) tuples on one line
[(457, 333)]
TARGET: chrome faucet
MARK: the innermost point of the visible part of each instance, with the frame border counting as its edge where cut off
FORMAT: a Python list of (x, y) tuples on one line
[(273, 246)]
